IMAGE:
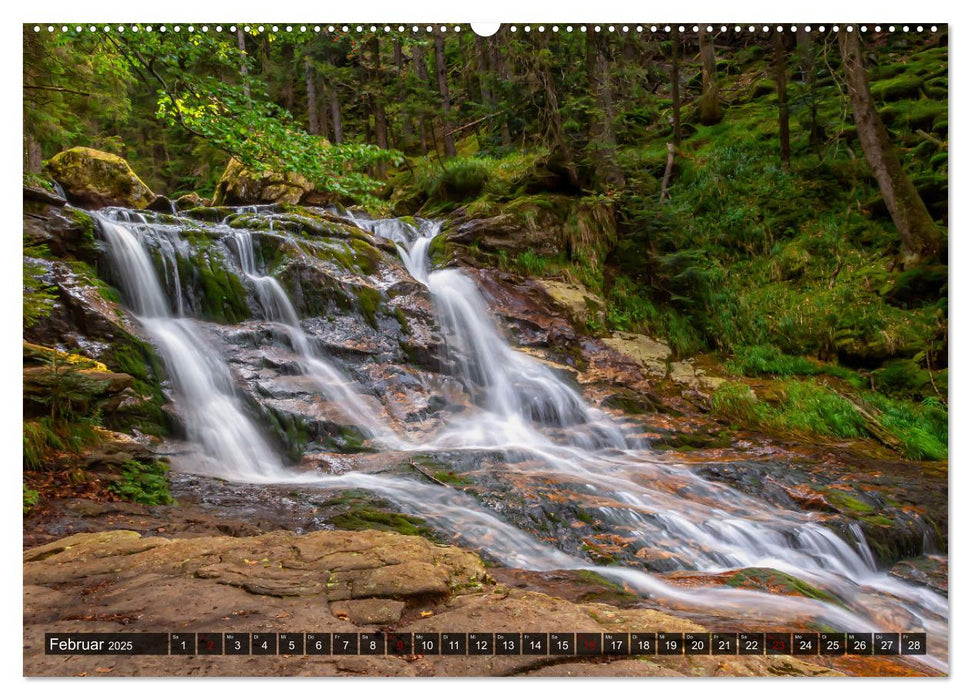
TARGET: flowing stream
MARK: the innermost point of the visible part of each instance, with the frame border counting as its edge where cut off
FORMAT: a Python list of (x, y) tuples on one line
[(519, 407)]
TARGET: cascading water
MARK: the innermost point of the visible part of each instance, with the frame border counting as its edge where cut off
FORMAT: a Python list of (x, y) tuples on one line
[(277, 307), (520, 407), (215, 417)]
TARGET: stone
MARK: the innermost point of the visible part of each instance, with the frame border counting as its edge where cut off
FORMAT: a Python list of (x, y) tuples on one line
[(653, 355), (94, 179), (685, 373), (582, 306), (240, 185), (369, 611), (188, 201)]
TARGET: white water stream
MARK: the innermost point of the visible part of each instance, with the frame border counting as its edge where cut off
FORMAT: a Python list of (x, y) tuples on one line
[(521, 407)]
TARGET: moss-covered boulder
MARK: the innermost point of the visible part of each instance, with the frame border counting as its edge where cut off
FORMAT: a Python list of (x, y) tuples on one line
[(543, 225), (95, 179), (241, 186)]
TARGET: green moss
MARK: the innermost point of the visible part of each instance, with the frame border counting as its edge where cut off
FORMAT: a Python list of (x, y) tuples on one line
[(223, 298), (362, 514), (368, 303), (137, 358), (777, 581), (402, 319), (846, 502), (450, 477), (345, 439)]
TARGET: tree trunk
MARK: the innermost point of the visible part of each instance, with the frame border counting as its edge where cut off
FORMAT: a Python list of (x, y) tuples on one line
[(421, 71), (676, 86), (447, 141), (780, 86), (919, 235), (499, 70), (407, 128), (710, 103), (33, 159), (335, 111), (243, 70), (313, 123), (377, 95), (553, 114), (807, 66), (288, 87), (323, 118), (485, 75), (602, 124)]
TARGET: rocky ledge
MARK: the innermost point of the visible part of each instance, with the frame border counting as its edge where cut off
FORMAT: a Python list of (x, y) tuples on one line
[(328, 580)]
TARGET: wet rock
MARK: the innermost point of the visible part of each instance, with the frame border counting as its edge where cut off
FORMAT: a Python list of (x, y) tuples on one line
[(761, 579), (162, 204), (189, 201), (930, 571), (81, 320), (65, 231), (42, 196), (120, 581), (96, 179), (531, 313)]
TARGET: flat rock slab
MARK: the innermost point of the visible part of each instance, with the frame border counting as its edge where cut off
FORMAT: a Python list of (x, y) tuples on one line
[(334, 581)]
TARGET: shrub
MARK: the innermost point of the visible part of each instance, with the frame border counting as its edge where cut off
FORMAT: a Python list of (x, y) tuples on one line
[(143, 483)]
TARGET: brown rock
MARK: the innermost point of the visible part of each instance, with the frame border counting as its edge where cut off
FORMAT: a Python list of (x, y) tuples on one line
[(369, 611)]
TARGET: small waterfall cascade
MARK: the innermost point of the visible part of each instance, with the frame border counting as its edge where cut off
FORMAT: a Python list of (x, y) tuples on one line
[(215, 416), (519, 407)]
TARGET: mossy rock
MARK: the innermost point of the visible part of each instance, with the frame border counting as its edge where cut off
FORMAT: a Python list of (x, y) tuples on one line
[(778, 583), (95, 179), (240, 185)]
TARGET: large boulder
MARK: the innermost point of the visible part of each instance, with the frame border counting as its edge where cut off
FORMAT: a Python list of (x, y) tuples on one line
[(544, 226), (240, 186), (95, 179)]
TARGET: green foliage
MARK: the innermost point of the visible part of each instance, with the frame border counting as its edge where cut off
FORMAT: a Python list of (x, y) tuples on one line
[(31, 499), (142, 482), (921, 426), (459, 180), (809, 408), (44, 437), (38, 181), (39, 441), (758, 360), (67, 393), (75, 92)]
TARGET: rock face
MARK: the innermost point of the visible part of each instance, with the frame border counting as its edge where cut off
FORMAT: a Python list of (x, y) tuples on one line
[(95, 179), (542, 225), (583, 307), (328, 580), (241, 186)]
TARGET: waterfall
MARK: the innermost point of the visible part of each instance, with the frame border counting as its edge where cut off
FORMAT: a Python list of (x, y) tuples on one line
[(214, 415), (330, 382), (521, 408)]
